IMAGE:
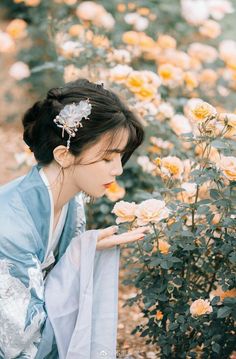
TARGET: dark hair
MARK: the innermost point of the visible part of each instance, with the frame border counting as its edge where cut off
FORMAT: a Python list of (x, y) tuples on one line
[(108, 114)]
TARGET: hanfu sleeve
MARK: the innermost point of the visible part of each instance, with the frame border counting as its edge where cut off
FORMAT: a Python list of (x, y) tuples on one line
[(22, 312)]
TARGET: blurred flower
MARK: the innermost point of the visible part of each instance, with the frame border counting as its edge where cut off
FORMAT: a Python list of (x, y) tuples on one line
[(163, 246), (166, 42), (121, 56), (218, 8), (159, 315), (25, 158), (164, 110), (143, 83), (146, 164), (159, 145), (28, 2), (115, 192), (71, 73), (208, 77), (130, 38), (6, 42), (212, 153), (229, 118), (218, 292), (19, 70), (202, 52), (70, 48), (170, 75), (76, 30), (189, 193), (191, 80), (200, 307), (17, 29), (120, 73), (145, 108), (227, 50), (196, 110), (228, 166), (170, 166), (151, 211), (211, 29), (96, 13), (125, 211), (195, 12), (139, 22), (180, 124)]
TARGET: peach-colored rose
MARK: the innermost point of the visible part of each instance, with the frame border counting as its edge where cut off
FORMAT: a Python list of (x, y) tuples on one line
[(202, 52), (89, 10), (210, 29), (17, 29), (170, 166), (163, 246), (159, 315), (189, 193), (76, 30), (6, 42), (200, 307), (191, 80), (180, 124), (164, 110), (229, 117), (197, 110), (130, 38), (115, 192), (135, 81), (228, 167), (121, 56), (125, 211), (170, 75), (120, 73), (166, 42), (159, 144), (208, 77), (151, 211), (227, 50), (146, 92), (19, 70), (139, 22), (70, 48), (105, 20)]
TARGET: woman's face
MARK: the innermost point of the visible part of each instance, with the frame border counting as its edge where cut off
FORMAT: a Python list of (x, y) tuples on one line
[(92, 178)]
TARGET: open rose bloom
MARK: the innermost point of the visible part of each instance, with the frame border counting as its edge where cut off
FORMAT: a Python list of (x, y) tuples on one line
[(200, 307)]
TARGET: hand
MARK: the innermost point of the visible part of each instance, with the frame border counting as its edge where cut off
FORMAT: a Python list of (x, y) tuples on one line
[(108, 239)]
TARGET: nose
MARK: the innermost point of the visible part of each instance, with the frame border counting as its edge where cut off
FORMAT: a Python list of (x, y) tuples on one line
[(117, 170)]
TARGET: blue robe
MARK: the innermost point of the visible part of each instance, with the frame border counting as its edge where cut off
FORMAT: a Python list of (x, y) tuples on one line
[(72, 313)]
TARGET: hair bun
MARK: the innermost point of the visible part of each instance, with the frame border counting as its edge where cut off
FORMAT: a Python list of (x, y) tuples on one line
[(54, 94)]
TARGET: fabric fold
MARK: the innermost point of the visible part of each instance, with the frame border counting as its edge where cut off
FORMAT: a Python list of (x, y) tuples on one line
[(82, 303)]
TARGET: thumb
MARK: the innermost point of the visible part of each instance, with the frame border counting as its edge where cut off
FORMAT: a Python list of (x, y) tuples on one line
[(106, 232)]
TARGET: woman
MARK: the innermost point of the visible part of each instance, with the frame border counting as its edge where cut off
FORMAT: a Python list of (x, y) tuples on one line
[(58, 282)]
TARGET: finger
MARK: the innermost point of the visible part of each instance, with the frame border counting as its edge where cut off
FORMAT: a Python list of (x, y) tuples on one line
[(106, 232)]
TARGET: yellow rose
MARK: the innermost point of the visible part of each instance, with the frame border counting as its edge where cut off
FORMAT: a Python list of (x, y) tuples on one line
[(228, 167), (191, 80), (17, 28), (163, 246), (115, 192), (135, 81), (125, 211), (170, 75), (199, 111), (151, 211), (170, 166), (146, 93), (200, 307), (130, 38)]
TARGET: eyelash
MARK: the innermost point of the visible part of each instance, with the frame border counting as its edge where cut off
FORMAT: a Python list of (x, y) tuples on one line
[(107, 160)]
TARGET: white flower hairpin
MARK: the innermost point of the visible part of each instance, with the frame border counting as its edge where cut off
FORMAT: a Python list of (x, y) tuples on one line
[(70, 117)]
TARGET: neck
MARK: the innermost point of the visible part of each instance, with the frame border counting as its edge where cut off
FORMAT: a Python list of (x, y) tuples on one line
[(61, 188)]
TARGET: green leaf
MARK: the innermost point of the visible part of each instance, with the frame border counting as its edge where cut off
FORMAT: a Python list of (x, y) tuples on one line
[(216, 348), (223, 312)]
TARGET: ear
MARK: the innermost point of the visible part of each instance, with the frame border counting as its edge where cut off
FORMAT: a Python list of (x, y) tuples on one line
[(62, 156)]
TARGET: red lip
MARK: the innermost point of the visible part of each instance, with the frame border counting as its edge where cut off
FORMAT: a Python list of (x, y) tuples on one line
[(107, 185)]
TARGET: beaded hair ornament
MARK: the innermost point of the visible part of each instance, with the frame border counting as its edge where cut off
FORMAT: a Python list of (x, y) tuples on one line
[(70, 117)]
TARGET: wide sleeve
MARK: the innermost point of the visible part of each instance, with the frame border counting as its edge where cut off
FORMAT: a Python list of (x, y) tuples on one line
[(22, 312)]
